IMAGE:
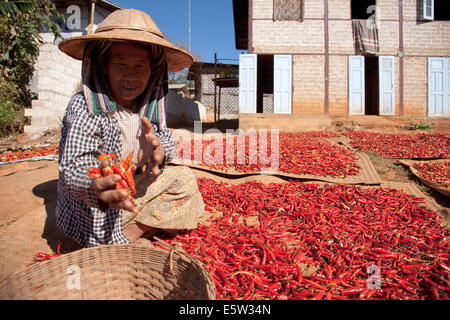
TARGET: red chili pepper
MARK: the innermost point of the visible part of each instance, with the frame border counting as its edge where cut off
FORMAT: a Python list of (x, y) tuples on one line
[(340, 230), (107, 156), (107, 171), (95, 172), (401, 145)]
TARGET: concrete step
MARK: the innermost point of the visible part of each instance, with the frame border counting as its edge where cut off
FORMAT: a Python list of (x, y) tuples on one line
[(284, 122)]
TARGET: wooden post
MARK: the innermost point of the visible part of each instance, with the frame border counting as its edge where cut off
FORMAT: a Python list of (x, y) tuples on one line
[(401, 59), (327, 60), (90, 28), (215, 87)]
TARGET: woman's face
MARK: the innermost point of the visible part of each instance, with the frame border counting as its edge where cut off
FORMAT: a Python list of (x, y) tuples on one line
[(128, 71)]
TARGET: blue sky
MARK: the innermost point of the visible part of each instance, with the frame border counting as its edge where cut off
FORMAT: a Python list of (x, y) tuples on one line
[(212, 27)]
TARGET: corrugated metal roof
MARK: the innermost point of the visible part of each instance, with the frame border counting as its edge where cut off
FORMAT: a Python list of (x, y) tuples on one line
[(112, 4), (176, 85), (103, 3)]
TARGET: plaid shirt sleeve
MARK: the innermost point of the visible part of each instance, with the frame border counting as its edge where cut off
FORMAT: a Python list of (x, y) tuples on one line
[(79, 150), (166, 138), (80, 214), (82, 145)]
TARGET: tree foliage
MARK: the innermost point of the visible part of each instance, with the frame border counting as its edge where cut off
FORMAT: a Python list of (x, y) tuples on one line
[(20, 24), (181, 76)]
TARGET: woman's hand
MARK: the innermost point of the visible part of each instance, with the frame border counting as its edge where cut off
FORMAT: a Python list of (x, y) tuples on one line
[(151, 153), (116, 198)]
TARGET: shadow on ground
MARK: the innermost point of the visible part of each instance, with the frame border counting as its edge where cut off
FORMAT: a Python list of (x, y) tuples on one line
[(51, 233)]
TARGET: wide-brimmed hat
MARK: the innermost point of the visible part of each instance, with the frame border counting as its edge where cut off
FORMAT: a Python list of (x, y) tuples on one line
[(129, 25)]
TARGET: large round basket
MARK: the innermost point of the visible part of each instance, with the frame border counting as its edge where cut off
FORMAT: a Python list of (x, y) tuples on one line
[(120, 272)]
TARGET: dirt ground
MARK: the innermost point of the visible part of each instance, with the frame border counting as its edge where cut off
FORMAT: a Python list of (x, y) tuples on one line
[(29, 190)]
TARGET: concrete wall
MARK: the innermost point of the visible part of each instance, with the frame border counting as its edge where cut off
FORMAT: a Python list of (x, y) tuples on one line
[(56, 79), (306, 42), (182, 111)]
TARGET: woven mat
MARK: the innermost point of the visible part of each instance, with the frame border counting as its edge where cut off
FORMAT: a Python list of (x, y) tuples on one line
[(366, 176), (408, 187), (431, 184), (21, 240), (343, 141)]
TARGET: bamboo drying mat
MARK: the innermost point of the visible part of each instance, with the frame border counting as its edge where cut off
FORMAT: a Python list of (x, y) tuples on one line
[(366, 176), (407, 187), (431, 184)]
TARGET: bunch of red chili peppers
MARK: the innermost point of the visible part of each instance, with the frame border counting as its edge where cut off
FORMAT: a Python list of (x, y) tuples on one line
[(416, 146), (437, 172), (27, 154), (298, 153), (124, 168), (344, 232)]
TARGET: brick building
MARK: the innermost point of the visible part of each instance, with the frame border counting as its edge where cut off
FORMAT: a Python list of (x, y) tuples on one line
[(306, 53)]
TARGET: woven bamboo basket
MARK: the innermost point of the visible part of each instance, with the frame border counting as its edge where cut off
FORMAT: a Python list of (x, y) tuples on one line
[(431, 184), (116, 272)]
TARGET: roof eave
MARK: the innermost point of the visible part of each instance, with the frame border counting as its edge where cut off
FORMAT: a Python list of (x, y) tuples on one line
[(240, 17)]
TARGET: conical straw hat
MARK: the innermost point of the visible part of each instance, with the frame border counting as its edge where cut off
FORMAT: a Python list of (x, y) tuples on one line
[(129, 25)]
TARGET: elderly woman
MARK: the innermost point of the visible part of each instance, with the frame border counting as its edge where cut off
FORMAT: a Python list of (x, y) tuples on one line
[(121, 110)]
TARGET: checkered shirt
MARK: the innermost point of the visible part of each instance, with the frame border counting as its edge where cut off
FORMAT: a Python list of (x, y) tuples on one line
[(84, 136)]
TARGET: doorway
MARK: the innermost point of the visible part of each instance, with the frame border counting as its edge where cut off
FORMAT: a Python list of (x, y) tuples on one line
[(372, 86), (264, 91)]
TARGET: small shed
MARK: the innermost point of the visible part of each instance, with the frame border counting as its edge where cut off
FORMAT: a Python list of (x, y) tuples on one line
[(206, 90), (178, 88)]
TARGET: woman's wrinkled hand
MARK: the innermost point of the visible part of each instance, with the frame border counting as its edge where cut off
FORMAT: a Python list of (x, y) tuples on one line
[(151, 153)]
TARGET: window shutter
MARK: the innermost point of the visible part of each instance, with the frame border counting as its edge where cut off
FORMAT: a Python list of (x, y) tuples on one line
[(356, 85), (438, 87), (428, 9), (282, 85), (248, 64), (288, 10), (387, 85)]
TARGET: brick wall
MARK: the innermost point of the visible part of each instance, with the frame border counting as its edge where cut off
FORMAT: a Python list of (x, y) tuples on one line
[(411, 11), (338, 83), (387, 9), (340, 37), (313, 9), (416, 86), (427, 39), (421, 40), (308, 84), (388, 37), (263, 9), (339, 9), (288, 36)]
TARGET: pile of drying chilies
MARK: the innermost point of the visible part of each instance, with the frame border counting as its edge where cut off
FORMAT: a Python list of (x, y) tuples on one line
[(303, 241)]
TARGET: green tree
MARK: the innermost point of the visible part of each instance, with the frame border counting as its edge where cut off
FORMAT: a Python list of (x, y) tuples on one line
[(20, 24)]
